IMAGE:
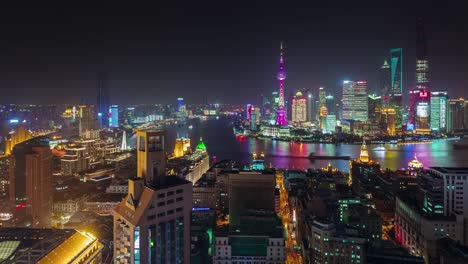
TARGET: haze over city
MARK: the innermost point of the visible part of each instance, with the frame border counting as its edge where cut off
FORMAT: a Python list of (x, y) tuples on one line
[(216, 52)]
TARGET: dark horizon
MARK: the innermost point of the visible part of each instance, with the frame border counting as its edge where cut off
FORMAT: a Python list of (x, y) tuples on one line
[(215, 53)]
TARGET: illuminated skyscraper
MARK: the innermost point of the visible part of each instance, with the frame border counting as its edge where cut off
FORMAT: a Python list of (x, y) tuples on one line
[(299, 108), (375, 106), (328, 124), (103, 97), (422, 112), (31, 183), (281, 76), (152, 223), (113, 116), (385, 84), (330, 104), (388, 121), (310, 106), (322, 95), (88, 120), (422, 62), (348, 99), (439, 111), (355, 101), (396, 102), (456, 118), (396, 68)]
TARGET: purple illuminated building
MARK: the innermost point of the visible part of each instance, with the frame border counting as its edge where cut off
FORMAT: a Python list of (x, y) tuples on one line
[(281, 112)]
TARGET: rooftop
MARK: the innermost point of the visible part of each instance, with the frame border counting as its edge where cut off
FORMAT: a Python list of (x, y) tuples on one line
[(451, 170)]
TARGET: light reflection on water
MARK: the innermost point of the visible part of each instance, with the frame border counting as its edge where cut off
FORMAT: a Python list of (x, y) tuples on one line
[(221, 142)]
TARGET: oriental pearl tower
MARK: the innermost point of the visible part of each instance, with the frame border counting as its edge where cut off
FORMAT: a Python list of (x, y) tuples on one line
[(281, 76)]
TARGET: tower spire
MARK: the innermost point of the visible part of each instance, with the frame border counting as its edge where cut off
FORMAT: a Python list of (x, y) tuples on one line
[(124, 141), (281, 76)]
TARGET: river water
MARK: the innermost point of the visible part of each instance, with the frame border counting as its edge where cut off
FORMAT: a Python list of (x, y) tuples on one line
[(222, 143)]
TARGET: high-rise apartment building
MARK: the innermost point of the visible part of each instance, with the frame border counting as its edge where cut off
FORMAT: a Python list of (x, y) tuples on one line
[(355, 101), (299, 108), (396, 68), (152, 223), (88, 119), (31, 183), (439, 111)]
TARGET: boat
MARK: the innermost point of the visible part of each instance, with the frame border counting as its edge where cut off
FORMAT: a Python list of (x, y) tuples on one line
[(312, 156)]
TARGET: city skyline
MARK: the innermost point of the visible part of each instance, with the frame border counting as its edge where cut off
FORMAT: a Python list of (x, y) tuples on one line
[(181, 52)]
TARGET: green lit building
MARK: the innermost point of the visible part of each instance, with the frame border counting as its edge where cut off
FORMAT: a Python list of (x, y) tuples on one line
[(439, 111)]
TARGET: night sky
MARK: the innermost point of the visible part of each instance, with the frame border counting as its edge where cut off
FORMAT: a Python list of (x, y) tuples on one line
[(219, 52)]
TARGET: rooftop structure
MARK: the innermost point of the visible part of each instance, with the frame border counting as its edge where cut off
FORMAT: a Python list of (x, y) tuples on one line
[(28, 245)]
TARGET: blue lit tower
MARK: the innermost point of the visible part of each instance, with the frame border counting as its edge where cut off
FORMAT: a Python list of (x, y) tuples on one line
[(281, 76)]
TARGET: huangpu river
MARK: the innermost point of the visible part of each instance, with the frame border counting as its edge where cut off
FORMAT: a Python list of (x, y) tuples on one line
[(222, 144)]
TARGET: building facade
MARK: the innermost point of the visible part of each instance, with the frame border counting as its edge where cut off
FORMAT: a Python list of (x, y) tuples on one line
[(439, 111), (152, 223), (299, 108), (31, 183)]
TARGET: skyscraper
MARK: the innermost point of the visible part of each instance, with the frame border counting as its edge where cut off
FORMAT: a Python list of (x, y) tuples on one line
[(375, 107), (152, 223), (388, 121), (322, 95), (310, 106), (439, 111), (114, 116), (31, 183), (281, 76), (103, 98), (396, 68), (330, 104), (88, 120), (299, 109), (422, 62), (385, 84), (355, 100), (456, 115), (348, 99), (422, 111)]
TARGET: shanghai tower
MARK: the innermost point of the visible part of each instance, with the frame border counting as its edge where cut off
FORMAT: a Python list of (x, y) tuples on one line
[(422, 63)]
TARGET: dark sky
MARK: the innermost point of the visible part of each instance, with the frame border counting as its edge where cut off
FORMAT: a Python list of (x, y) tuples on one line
[(220, 52)]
